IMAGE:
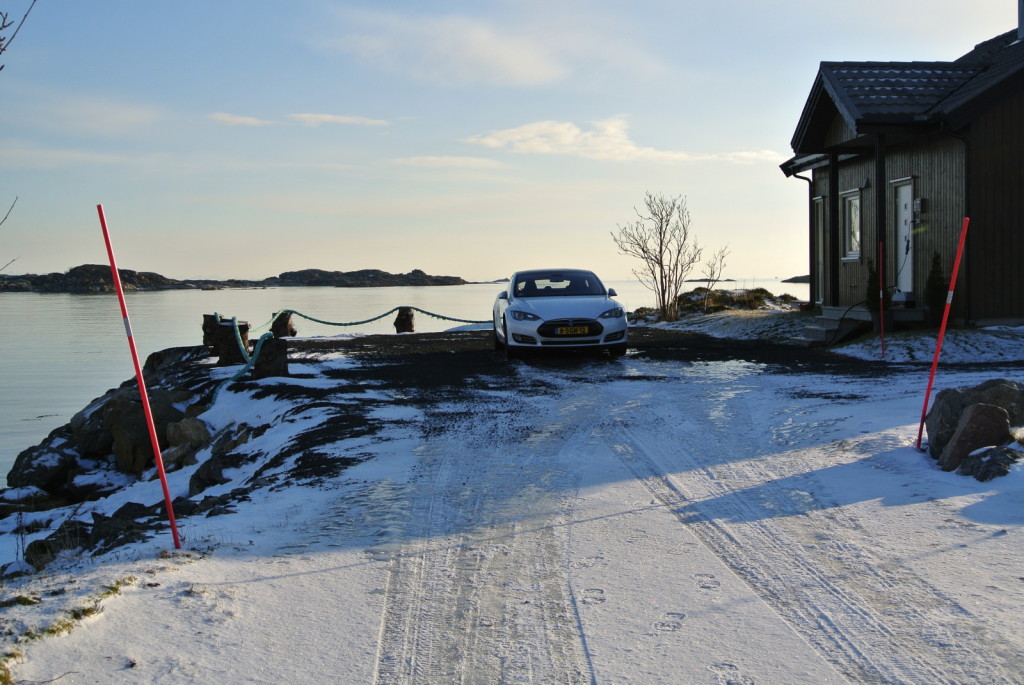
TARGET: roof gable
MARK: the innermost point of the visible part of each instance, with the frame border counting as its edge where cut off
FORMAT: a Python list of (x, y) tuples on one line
[(877, 97)]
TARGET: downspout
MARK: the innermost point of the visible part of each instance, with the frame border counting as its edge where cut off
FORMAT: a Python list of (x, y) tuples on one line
[(881, 199), (812, 295)]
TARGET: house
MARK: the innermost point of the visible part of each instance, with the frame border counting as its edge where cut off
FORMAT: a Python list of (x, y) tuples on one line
[(896, 155)]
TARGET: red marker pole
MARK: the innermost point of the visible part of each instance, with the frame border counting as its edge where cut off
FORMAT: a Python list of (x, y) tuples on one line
[(158, 458), (881, 293), (942, 328)]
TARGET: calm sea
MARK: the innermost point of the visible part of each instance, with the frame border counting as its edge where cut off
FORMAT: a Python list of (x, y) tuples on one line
[(58, 352)]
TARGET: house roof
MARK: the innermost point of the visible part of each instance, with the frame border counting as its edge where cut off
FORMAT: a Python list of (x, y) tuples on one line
[(892, 97)]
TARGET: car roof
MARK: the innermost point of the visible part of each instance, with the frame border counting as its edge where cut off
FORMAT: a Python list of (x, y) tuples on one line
[(533, 273)]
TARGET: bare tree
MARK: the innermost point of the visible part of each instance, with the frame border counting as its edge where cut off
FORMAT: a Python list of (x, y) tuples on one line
[(6, 23), (713, 272), (9, 210), (660, 239)]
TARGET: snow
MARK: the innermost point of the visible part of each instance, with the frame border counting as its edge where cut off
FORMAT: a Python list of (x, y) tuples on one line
[(652, 521)]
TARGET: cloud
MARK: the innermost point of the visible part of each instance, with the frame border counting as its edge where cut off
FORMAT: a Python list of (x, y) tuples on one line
[(18, 155), (318, 119), (236, 120), (451, 162), (451, 50), (608, 140), (86, 115)]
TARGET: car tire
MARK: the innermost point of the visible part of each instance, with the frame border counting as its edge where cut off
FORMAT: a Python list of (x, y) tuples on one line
[(617, 350), (510, 352), (498, 345)]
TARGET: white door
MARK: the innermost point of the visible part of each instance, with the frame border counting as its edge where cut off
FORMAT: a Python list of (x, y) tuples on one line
[(904, 242)]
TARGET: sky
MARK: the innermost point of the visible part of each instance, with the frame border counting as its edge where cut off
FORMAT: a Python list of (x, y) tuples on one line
[(242, 139)]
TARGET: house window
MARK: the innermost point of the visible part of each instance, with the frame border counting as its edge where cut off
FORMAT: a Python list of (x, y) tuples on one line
[(851, 224)]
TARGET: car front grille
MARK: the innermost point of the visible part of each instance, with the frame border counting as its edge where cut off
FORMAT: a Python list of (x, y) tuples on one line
[(570, 328)]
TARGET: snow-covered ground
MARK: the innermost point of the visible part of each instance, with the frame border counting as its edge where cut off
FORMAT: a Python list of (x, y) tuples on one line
[(636, 521)]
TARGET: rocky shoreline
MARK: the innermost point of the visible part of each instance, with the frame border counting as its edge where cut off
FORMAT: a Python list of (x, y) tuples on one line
[(79, 488), (95, 278)]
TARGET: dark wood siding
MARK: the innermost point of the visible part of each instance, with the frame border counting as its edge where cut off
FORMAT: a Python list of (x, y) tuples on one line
[(993, 284), (935, 166)]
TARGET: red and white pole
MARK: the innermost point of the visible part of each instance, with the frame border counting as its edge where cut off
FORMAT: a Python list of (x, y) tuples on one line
[(157, 457), (881, 294), (942, 328)]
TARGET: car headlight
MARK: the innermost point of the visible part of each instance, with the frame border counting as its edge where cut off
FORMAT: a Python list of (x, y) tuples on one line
[(616, 313), (523, 316)]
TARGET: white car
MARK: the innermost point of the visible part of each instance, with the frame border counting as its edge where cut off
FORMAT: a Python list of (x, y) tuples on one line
[(558, 308)]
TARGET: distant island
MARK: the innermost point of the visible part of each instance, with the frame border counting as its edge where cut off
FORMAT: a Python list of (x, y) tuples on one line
[(96, 278)]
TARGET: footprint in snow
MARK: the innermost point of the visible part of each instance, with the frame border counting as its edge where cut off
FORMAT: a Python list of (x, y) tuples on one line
[(672, 622), (729, 674), (707, 581)]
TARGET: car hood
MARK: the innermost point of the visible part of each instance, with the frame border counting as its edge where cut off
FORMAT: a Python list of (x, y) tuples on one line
[(584, 306)]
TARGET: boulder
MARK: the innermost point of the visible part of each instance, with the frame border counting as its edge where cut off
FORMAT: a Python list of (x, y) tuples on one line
[(980, 425), (71, 534), (94, 439), (188, 431), (45, 466), (988, 464), (944, 417), (124, 416)]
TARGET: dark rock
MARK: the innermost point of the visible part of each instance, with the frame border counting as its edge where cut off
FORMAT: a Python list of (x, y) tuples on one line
[(222, 457), (94, 439), (135, 510), (45, 466), (123, 415), (988, 464), (944, 417), (980, 425), (109, 532), (188, 431), (183, 506), (71, 534)]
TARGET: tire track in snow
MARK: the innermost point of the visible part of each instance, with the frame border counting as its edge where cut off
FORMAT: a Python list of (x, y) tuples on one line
[(478, 590), (874, 619)]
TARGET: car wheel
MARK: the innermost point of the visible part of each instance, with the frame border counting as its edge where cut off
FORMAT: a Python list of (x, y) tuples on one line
[(510, 352), (498, 345), (617, 350)]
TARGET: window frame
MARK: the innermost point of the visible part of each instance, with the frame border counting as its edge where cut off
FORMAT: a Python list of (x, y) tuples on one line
[(847, 200)]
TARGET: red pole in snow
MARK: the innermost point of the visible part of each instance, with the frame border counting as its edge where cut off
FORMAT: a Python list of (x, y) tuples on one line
[(158, 458), (881, 293), (942, 328)]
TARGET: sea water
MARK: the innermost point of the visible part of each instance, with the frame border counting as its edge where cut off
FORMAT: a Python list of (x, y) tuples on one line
[(60, 351)]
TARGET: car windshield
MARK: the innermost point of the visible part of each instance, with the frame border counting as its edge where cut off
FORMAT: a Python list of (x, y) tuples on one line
[(557, 284)]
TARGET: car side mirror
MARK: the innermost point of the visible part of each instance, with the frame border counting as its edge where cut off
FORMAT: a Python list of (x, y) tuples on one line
[(612, 293), (503, 295)]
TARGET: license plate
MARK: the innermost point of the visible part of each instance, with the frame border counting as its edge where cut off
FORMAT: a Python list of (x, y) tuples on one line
[(572, 330)]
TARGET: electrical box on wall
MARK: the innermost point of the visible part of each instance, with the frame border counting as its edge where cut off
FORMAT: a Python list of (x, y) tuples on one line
[(919, 205)]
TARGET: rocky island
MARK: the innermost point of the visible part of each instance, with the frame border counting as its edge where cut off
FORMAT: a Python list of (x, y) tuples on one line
[(95, 278)]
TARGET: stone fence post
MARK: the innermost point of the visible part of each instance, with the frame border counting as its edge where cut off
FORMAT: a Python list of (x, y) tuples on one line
[(404, 320)]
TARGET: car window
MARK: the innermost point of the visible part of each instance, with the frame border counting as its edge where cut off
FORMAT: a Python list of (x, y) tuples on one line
[(557, 285)]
